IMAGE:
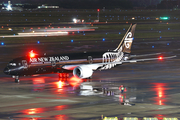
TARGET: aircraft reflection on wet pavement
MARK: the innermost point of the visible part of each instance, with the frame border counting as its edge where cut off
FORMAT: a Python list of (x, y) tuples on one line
[(159, 89), (82, 87), (154, 93), (35, 111), (61, 86), (85, 87)]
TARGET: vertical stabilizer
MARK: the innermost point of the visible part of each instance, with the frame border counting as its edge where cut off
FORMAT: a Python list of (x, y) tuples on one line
[(126, 42)]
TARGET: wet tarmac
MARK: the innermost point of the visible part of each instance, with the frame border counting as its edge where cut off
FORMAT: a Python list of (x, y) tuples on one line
[(151, 88)]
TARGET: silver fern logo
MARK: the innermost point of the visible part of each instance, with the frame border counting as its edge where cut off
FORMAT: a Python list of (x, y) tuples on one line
[(110, 57), (128, 40)]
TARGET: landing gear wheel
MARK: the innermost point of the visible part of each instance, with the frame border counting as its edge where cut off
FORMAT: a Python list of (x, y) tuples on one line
[(17, 80)]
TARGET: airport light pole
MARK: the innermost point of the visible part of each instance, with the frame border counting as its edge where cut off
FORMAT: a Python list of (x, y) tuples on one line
[(98, 14)]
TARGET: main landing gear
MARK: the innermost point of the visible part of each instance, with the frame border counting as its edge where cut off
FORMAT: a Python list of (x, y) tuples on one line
[(63, 76)]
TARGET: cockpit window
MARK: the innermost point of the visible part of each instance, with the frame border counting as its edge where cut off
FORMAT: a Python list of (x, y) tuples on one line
[(12, 64)]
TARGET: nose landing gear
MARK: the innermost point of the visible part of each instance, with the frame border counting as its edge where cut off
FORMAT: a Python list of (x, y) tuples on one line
[(16, 79)]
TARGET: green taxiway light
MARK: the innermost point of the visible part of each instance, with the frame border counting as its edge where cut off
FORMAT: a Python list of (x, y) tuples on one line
[(164, 18)]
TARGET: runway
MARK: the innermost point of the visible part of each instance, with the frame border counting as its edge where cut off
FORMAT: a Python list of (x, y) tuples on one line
[(152, 88)]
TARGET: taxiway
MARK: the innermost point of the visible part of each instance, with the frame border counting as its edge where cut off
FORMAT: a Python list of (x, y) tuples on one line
[(152, 88)]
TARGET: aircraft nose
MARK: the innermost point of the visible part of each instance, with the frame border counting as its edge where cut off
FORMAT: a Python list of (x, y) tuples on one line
[(6, 70)]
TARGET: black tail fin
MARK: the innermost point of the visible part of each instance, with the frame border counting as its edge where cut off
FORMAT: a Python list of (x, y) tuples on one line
[(126, 42)]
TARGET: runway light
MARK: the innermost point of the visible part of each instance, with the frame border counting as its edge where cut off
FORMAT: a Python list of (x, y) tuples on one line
[(130, 118), (149, 118), (72, 40), (103, 39), (38, 42), (152, 46), (110, 118), (2, 43), (167, 43), (165, 118)]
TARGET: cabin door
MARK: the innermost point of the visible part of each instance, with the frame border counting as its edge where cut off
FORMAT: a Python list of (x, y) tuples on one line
[(90, 59), (24, 63)]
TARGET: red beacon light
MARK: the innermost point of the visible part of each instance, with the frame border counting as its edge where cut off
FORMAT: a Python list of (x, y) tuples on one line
[(32, 54)]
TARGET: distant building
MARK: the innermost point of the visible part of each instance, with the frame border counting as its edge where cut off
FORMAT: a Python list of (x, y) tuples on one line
[(45, 7)]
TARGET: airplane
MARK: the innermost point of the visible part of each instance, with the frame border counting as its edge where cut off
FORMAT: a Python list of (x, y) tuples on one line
[(82, 65)]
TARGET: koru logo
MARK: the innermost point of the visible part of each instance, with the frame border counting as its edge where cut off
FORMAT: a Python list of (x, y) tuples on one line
[(128, 40)]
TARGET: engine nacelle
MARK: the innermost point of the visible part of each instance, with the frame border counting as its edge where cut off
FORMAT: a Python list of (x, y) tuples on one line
[(82, 71)]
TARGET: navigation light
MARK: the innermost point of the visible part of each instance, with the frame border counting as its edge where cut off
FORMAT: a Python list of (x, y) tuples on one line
[(160, 58)]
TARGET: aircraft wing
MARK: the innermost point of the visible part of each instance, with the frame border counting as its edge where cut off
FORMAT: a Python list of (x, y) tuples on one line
[(95, 66), (147, 59), (133, 56)]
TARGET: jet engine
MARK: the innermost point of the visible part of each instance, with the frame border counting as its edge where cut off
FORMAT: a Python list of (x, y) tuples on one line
[(82, 71)]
